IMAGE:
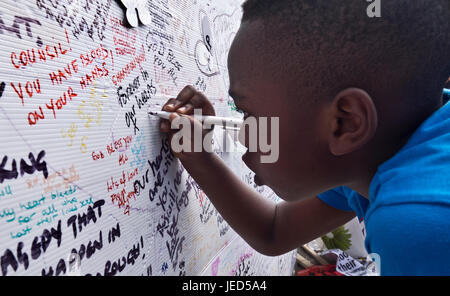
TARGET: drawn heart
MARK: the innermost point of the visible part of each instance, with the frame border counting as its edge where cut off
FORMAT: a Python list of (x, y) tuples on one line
[(2, 88)]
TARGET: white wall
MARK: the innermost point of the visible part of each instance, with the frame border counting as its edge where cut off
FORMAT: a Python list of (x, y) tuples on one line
[(66, 68)]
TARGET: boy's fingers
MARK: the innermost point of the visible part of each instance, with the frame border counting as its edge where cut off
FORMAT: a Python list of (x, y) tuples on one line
[(190, 95), (173, 116), (194, 123), (182, 99), (186, 109), (169, 105), (195, 126), (185, 95), (185, 103), (164, 126), (200, 101)]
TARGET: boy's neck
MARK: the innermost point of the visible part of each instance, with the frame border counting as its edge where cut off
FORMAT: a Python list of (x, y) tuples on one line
[(362, 186)]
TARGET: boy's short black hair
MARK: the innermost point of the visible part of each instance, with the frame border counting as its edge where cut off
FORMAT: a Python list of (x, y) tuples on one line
[(411, 37)]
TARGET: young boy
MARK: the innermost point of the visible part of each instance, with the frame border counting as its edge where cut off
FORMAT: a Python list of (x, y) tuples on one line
[(363, 129)]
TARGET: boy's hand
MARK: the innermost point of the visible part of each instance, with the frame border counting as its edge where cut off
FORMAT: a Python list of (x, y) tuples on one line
[(183, 106)]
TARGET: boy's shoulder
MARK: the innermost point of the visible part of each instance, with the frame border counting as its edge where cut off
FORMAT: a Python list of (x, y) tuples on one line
[(446, 95), (407, 219)]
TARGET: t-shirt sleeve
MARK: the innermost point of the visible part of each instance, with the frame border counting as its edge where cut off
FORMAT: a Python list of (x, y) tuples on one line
[(336, 198), (410, 239), (446, 95)]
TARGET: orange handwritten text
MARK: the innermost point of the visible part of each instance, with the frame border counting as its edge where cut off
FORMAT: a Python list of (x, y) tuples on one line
[(35, 116), (32, 56), (30, 88), (122, 74), (122, 196), (67, 71)]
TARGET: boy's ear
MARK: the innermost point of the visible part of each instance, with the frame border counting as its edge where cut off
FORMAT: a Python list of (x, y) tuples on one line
[(354, 121)]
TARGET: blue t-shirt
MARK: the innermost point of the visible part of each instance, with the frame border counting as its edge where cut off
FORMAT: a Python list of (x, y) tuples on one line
[(408, 217), (446, 95)]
